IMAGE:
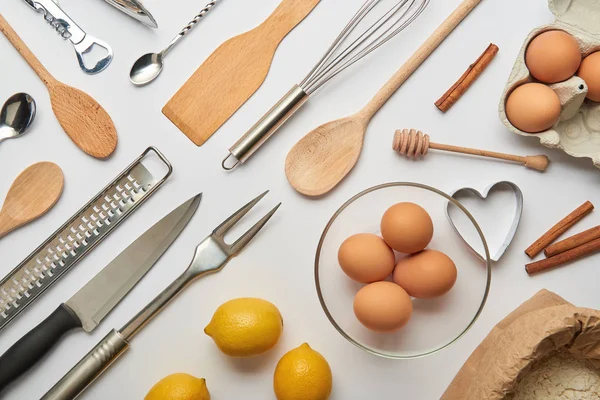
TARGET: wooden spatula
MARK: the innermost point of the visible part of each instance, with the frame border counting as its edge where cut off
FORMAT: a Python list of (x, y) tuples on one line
[(318, 162), (231, 75), (82, 118), (32, 194)]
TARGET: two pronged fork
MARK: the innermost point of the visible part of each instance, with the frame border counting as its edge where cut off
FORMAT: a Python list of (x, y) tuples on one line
[(211, 255)]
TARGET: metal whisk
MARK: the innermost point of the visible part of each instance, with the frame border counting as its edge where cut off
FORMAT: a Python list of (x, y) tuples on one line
[(343, 53)]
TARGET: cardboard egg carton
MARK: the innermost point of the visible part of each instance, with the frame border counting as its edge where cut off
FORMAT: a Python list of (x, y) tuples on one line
[(577, 132)]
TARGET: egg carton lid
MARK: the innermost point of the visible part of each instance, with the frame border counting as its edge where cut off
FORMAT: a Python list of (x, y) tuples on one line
[(580, 14)]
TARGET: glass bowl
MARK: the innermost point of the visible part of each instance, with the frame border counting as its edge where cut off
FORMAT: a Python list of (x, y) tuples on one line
[(435, 323)]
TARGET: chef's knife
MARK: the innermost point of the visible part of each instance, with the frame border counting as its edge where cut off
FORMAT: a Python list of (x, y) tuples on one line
[(88, 307)]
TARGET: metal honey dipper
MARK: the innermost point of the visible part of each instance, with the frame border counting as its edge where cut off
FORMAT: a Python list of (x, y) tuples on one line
[(343, 53)]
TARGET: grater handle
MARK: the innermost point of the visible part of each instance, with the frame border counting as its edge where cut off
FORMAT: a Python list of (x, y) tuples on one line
[(89, 368)]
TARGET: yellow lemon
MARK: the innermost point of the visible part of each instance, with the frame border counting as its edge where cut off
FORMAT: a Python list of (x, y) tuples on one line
[(302, 374), (245, 327), (179, 387)]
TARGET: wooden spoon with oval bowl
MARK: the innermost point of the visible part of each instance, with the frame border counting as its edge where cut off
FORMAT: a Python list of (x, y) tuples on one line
[(82, 118), (318, 162), (35, 191)]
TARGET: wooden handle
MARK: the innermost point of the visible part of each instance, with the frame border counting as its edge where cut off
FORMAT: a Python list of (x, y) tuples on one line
[(22, 48), (286, 17), (415, 61)]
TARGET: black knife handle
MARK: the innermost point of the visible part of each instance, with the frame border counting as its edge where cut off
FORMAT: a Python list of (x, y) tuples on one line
[(32, 347)]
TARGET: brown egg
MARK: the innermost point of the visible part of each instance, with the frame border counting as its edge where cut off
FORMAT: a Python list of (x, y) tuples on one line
[(426, 275), (407, 228), (366, 258), (553, 56), (533, 108), (383, 307), (590, 73)]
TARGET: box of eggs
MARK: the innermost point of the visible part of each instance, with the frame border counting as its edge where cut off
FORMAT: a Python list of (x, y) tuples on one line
[(553, 92)]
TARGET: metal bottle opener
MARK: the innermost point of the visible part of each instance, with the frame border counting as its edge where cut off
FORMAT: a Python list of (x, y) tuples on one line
[(68, 29)]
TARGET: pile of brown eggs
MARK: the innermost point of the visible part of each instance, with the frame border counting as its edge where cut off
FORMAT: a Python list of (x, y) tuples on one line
[(383, 305), (551, 57)]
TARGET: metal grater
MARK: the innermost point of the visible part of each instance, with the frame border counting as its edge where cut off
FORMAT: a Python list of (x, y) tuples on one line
[(78, 236)]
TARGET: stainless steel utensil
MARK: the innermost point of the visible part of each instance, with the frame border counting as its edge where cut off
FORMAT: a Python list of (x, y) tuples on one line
[(88, 307), (211, 255), (149, 66), (344, 52), (136, 10), (16, 116), (68, 29), (78, 236)]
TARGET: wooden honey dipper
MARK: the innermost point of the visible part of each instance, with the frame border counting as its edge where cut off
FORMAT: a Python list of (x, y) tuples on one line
[(413, 143)]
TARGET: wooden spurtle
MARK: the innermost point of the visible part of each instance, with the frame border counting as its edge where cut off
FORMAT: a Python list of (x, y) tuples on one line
[(318, 162), (82, 118), (35, 191), (232, 74)]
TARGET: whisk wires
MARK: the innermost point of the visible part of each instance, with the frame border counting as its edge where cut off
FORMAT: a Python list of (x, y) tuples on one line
[(340, 55)]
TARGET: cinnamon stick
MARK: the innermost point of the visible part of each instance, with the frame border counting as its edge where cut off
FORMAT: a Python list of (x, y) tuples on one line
[(558, 229), (467, 79), (573, 241), (563, 258)]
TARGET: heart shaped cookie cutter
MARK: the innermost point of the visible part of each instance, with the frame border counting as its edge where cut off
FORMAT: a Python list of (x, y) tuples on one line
[(483, 196)]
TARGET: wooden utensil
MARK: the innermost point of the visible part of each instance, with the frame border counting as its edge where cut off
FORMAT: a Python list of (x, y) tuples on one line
[(318, 162), (32, 194), (412, 143), (231, 75), (82, 118)]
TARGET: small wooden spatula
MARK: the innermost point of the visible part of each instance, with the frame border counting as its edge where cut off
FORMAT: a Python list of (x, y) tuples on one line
[(32, 194), (231, 75)]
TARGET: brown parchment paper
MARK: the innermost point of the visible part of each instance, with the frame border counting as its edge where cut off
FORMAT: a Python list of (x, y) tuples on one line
[(541, 325)]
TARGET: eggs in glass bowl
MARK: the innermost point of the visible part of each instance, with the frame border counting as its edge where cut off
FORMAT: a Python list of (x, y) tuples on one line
[(392, 275)]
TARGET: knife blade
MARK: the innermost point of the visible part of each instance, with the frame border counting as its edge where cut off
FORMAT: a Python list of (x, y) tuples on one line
[(88, 307)]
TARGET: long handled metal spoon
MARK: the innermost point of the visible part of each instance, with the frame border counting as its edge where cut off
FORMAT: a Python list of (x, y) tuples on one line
[(16, 116), (149, 66)]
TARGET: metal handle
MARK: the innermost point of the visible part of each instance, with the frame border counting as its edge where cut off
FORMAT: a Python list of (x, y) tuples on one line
[(190, 26), (59, 20), (266, 127), (68, 29), (89, 368)]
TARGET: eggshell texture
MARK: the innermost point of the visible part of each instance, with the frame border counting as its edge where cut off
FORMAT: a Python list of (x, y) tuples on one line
[(383, 307), (533, 108), (590, 73), (553, 56), (407, 228), (366, 258), (426, 275)]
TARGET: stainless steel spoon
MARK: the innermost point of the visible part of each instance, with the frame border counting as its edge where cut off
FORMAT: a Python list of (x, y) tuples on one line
[(16, 116), (149, 66)]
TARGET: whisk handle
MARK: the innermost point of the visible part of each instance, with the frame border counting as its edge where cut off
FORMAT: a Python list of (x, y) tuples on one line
[(267, 126), (422, 53)]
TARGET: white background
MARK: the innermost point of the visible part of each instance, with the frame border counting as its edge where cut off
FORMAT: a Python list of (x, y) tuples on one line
[(278, 265)]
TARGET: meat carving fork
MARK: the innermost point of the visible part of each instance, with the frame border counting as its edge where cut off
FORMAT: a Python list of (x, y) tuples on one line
[(68, 29), (211, 255)]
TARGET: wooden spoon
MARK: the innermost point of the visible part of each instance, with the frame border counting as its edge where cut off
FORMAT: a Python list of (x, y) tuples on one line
[(318, 162), (82, 118), (232, 74), (32, 194)]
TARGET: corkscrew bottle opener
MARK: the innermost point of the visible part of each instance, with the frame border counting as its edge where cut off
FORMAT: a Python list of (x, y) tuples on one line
[(68, 29)]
